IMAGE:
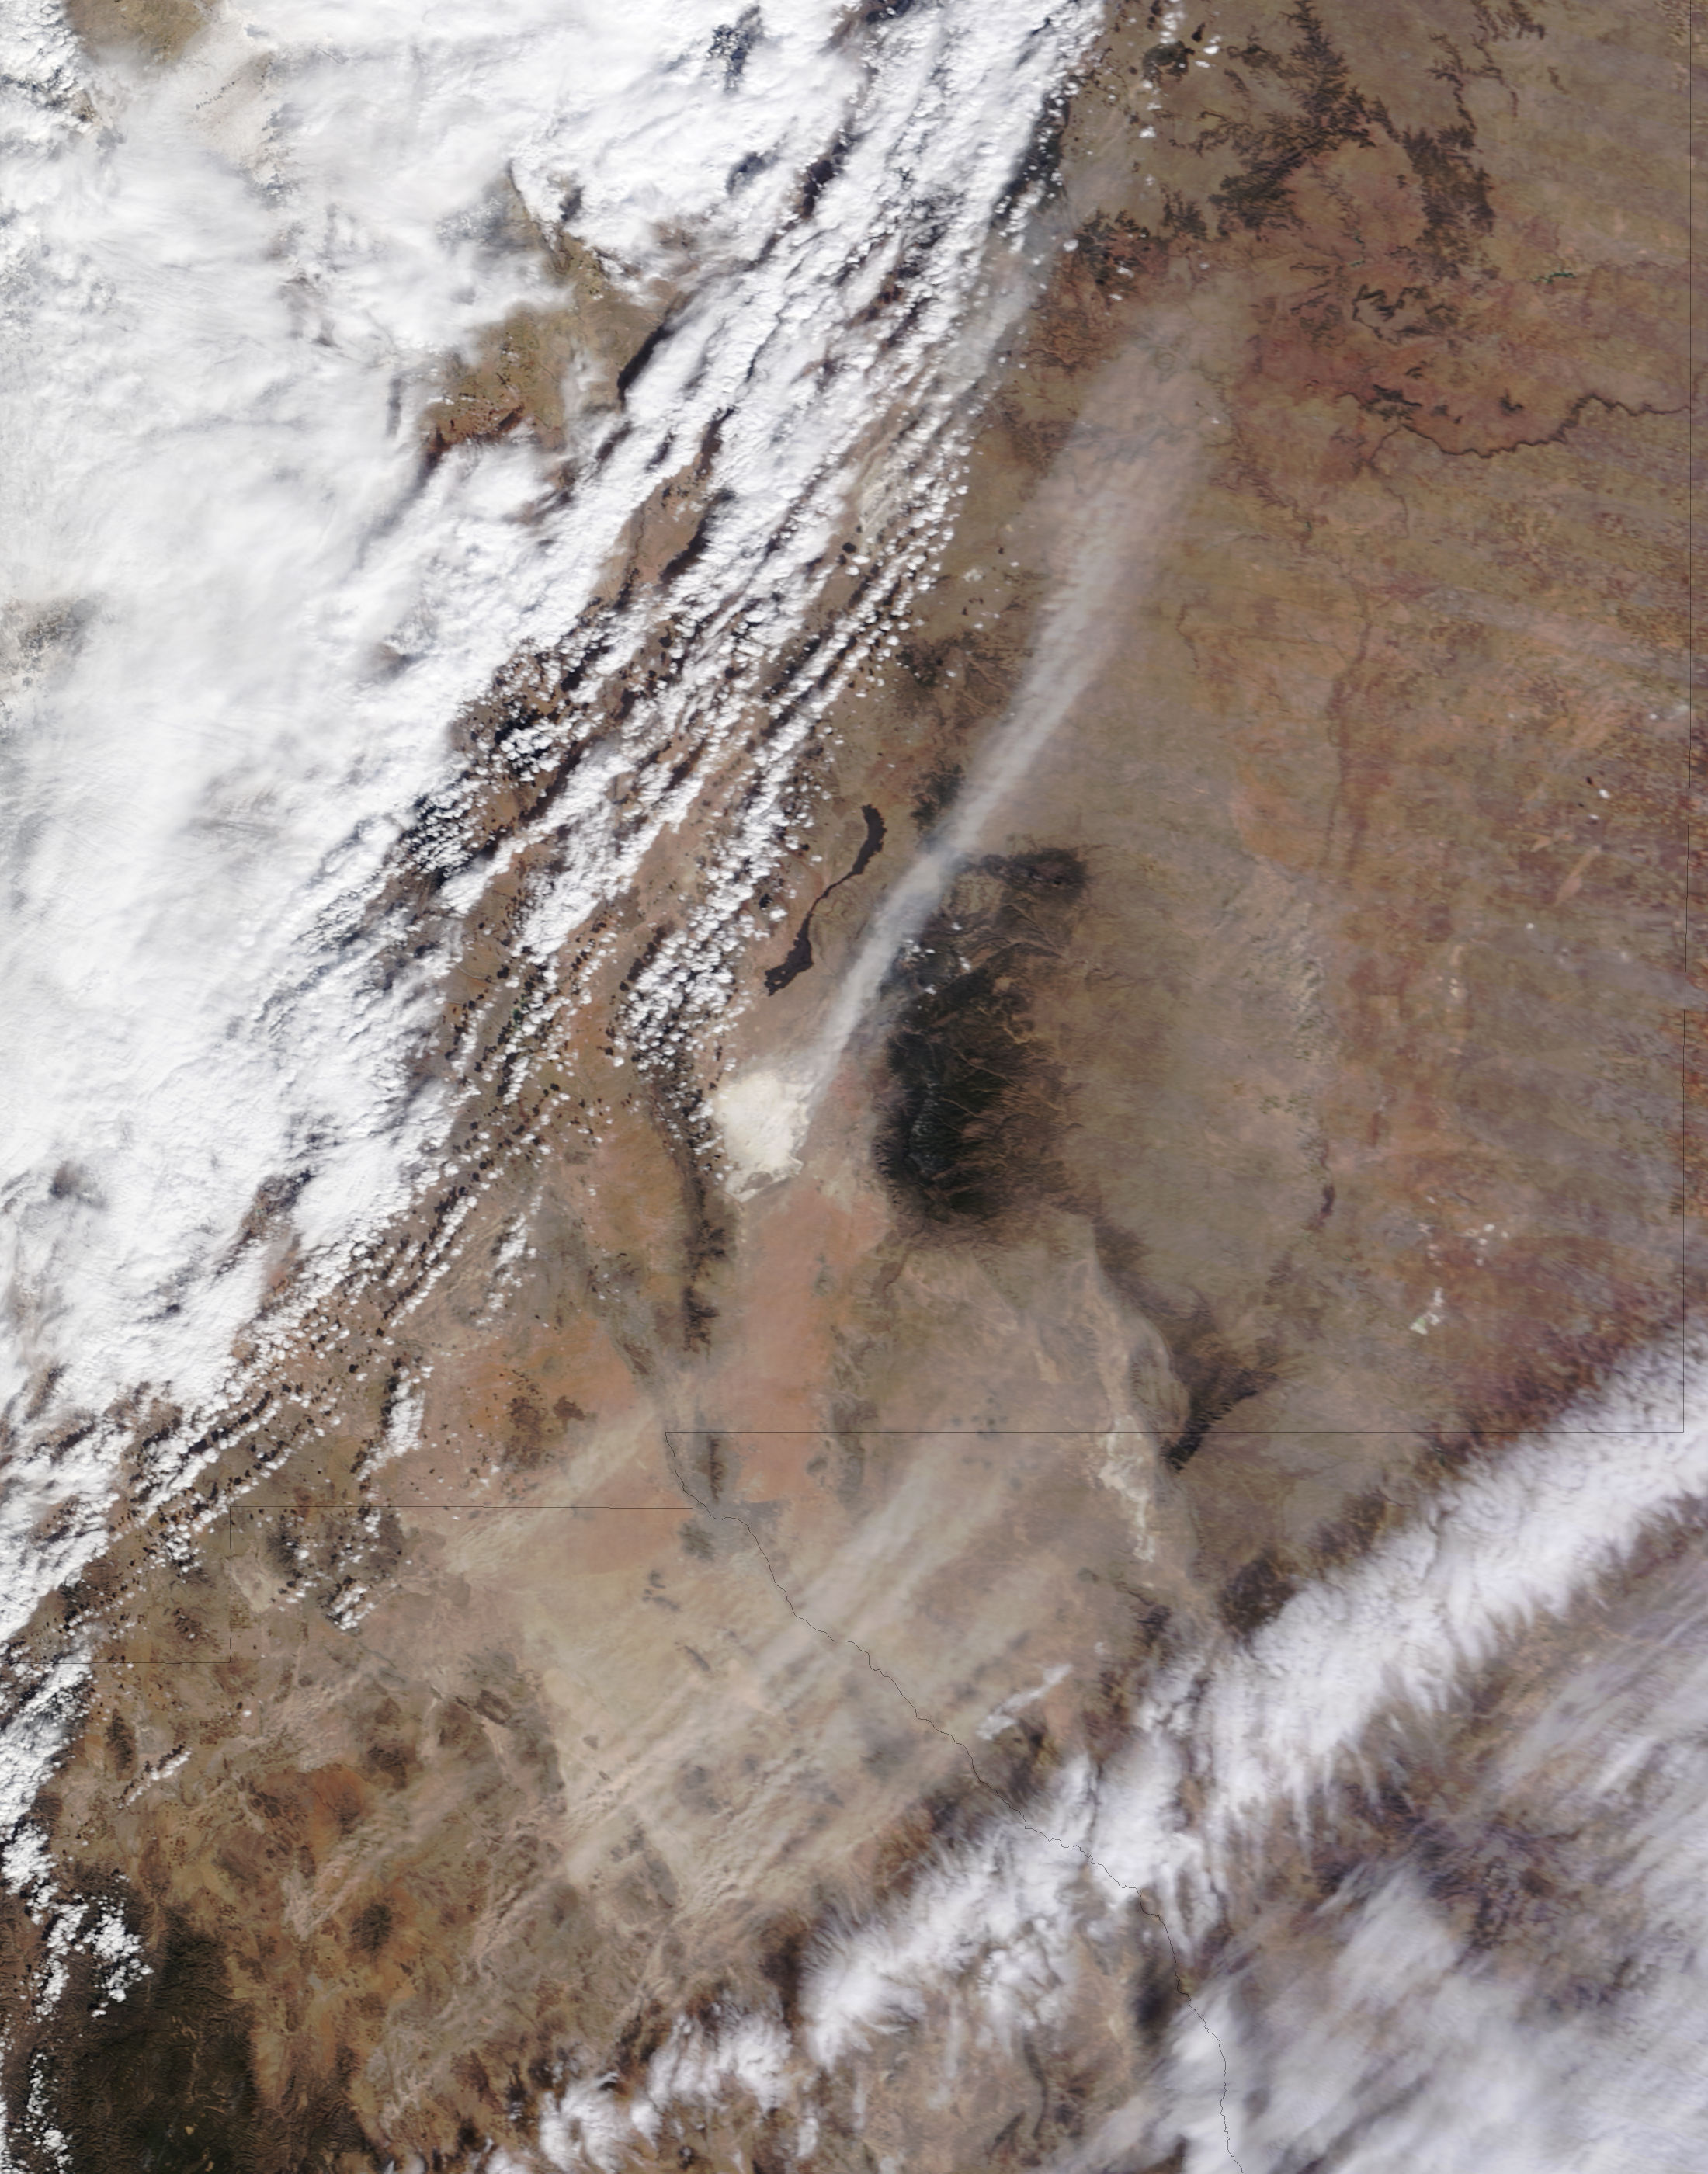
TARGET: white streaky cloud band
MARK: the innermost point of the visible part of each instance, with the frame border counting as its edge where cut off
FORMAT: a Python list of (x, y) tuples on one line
[(229, 287), (1358, 1674), (1265, 1728), (215, 537), (241, 616), (1375, 2032), (209, 775), (1398, 1636)]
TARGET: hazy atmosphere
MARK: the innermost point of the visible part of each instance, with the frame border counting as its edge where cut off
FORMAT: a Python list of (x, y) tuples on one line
[(851, 1152)]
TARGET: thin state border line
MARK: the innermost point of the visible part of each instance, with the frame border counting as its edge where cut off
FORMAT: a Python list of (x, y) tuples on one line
[(1686, 1009)]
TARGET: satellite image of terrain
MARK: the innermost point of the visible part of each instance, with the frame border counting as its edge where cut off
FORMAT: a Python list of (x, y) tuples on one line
[(851, 1151)]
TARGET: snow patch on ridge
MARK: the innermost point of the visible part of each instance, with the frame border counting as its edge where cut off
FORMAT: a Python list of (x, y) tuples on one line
[(241, 618)]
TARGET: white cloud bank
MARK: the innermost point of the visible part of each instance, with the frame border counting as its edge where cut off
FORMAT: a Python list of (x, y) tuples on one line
[(228, 285), (1370, 2033), (238, 618)]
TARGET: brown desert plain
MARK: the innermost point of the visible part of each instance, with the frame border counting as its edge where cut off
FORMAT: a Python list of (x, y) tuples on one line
[(1211, 1082)]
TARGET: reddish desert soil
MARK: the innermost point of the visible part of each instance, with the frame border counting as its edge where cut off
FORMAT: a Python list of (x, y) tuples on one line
[(1281, 1108)]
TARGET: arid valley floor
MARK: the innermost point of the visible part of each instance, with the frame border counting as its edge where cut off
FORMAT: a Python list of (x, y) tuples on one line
[(1051, 1516)]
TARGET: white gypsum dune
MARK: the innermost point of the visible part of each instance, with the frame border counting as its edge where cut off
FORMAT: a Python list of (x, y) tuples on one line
[(241, 616), (231, 284)]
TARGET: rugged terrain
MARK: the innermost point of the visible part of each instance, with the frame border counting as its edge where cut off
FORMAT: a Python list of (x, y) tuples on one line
[(1277, 1116)]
